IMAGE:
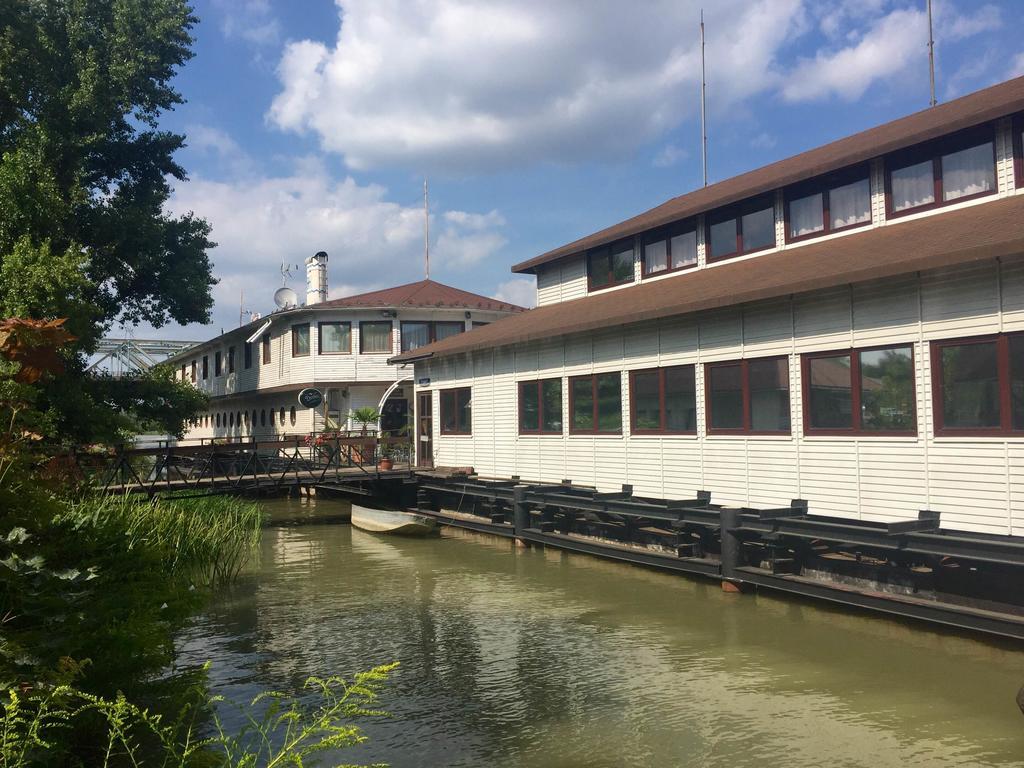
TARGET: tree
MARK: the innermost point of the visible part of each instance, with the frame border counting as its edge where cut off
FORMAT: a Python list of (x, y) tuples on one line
[(84, 178)]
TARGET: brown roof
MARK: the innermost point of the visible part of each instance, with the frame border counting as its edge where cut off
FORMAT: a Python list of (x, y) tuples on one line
[(425, 293), (973, 109), (976, 233)]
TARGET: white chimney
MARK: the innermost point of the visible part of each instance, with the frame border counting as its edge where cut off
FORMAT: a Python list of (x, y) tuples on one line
[(316, 278)]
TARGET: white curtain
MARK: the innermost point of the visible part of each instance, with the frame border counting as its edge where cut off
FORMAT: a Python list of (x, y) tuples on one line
[(656, 256), (968, 172), (913, 186), (684, 249), (850, 204), (805, 215)]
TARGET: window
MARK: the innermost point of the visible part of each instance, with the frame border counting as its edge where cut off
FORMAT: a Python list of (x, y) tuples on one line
[(217, 368), (666, 250), (280, 416), (300, 340), (595, 403), (740, 230), (231, 420), (748, 396), (958, 168), (253, 422), (375, 337), (978, 385), (610, 265), (263, 417), (231, 359), (828, 205), (206, 367), (860, 391), (419, 334), (266, 348), (291, 416), (456, 411), (1018, 149), (193, 371), (540, 407), (183, 372), (663, 400), (335, 338), (247, 355), (218, 420)]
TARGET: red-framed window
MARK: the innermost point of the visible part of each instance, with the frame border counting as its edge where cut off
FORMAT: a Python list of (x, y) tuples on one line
[(978, 386), (456, 411), (950, 170), (869, 391), (335, 338), (375, 337), (740, 229), (831, 203), (748, 397), (300, 340), (610, 265), (595, 404), (1018, 149), (540, 407), (663, 401), (419, 333), (669, 249), (265, 343)]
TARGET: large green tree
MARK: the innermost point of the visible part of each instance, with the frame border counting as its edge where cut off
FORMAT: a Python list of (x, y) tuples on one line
[(85, 175)]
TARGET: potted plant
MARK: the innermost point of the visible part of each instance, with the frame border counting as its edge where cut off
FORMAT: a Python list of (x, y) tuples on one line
[(364, 417), (386, 463)]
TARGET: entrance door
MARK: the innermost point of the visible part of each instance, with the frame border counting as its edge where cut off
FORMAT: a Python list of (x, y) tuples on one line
[(425, 431)]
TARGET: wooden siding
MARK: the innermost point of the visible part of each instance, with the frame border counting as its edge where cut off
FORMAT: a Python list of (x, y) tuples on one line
[(977, 484)]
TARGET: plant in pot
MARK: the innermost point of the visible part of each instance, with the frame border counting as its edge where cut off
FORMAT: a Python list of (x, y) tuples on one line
[(364, 417)]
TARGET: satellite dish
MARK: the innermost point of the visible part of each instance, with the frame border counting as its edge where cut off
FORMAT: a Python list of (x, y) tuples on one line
[(286, 298)]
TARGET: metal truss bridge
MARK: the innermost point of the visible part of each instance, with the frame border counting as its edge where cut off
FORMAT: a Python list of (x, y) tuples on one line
[(119, 356)]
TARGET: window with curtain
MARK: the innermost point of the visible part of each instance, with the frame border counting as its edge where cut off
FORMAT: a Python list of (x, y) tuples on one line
[(596, 403), (863, 391), (375, 337), (669, 249), (663, 400), (828, 204), (748, 396), (265, 342), (335, 338), (944, 171), (540, 407), (300, 340), (416, 334)]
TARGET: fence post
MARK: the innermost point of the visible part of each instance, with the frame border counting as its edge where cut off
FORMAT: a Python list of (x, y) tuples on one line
[(520, 513), (729, 521)]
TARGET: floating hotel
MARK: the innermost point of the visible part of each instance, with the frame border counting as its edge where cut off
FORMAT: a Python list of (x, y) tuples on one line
[(844, 327)]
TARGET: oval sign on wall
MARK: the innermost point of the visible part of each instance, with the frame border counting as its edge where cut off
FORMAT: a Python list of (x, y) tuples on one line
[(310, 398)]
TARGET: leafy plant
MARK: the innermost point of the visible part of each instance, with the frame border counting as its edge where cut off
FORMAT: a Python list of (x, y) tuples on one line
[(365, 417)]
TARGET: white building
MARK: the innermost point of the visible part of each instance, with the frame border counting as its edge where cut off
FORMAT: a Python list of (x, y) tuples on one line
[(253, 374), (845, 326)]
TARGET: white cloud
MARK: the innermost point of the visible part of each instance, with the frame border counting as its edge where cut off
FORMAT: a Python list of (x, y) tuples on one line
[(951, 26), (763, 140), (669, 155), (498, 83), (259, 222), (1016, 66), (518, 290), (249, 20)]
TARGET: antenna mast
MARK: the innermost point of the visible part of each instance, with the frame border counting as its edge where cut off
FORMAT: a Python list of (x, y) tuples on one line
[(931, 56), (426, 229), (703, 89)]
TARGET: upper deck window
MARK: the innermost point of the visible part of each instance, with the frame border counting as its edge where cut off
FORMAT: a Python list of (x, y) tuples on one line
[(335, 338), (742, 229), (828, 204), (669, 249), (1018, 149), (375, 336), (300, 340), (610, 265), (419, 334), (960, 167)]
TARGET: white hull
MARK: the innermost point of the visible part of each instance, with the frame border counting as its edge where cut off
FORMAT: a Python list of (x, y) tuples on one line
[(389, 521)]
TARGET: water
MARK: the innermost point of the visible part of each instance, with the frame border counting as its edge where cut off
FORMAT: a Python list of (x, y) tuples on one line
[(540, 658)]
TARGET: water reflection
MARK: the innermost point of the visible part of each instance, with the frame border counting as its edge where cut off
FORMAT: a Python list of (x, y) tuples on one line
[(530, 658)]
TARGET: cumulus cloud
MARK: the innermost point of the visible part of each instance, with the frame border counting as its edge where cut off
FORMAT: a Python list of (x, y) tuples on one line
[(518, 290), (260, 222), (496, 83), (249, 20)]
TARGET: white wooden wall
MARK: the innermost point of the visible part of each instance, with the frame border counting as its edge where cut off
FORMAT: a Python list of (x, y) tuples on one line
[(977, 483)]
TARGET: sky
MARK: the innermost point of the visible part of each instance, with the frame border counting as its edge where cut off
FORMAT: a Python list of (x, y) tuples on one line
[(311, 124)]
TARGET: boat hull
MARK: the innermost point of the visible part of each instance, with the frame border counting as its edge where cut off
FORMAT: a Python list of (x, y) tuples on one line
[(392, 521)]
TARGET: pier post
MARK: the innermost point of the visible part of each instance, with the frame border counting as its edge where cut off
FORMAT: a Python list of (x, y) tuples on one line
[(520, 514), (729, 522)]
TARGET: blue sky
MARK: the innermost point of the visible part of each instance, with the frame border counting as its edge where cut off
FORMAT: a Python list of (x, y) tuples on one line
[(312, 123)]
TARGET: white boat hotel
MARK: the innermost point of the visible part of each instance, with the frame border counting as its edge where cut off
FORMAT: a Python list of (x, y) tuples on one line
[(845, 326), (254, 373)]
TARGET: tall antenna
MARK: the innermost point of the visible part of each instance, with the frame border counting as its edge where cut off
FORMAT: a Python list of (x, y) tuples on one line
[(931, 56), (426, 228), (703, 89)]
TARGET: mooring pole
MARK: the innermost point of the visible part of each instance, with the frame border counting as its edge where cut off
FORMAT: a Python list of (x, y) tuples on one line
[(520, 514), (729, 521)]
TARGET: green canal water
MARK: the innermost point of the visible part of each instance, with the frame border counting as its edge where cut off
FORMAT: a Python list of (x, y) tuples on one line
[(539, 658)]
